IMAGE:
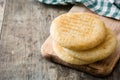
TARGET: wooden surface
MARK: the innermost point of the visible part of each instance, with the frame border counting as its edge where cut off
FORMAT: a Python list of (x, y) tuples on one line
[(25, 27), (2, 8), (101, 68)]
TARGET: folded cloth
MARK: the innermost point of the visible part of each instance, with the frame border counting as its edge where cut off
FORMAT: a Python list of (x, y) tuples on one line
[(108, 8)]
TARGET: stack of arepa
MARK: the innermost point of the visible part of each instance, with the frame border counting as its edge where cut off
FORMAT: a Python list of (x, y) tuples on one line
[(81, 38)]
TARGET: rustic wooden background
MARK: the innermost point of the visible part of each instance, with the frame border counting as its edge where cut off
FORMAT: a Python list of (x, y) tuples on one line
[(24, 26)]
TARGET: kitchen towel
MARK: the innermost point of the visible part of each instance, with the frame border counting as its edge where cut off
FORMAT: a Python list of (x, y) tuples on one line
[(108, 8)]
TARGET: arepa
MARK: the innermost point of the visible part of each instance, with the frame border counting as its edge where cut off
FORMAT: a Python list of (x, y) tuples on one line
[(78, 31)]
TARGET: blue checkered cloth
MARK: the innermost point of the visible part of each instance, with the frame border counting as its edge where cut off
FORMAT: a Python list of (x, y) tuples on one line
[(108, 8)]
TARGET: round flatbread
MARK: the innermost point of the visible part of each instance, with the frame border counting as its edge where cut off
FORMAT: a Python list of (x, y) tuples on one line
[(78, 31), (100, 52)]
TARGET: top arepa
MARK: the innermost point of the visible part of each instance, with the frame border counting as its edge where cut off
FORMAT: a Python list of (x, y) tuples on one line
[(78, 31)]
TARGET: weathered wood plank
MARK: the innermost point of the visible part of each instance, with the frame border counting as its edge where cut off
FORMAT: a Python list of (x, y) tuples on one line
[(2, 8), (25, 27)]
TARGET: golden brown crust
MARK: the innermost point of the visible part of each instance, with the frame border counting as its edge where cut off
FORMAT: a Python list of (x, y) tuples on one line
[(78, 31)]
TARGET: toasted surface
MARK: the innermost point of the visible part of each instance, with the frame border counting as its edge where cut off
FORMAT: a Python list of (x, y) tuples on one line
[(78, 31), (100, 52)]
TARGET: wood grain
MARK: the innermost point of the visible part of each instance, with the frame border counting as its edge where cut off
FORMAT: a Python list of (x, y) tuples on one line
[(25, 27), (2, 8)]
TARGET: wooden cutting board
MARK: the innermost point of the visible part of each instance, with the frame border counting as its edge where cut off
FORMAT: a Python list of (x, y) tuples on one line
[(101, 68)]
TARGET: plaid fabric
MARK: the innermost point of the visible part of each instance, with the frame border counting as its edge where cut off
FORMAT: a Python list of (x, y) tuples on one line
[(108, 8)]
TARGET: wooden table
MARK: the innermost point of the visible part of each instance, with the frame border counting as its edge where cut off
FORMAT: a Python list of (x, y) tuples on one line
[(24, 26)]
